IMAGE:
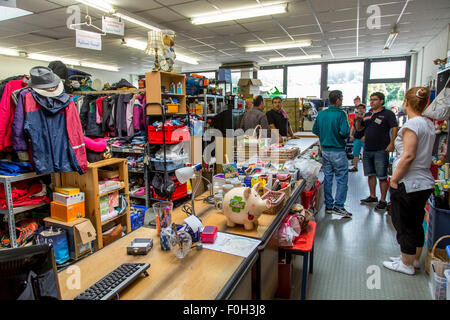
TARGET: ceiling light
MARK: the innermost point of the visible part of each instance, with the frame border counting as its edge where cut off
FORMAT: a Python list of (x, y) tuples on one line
[(241, 13), (99, 4), (9, 52), (44, 57), (141, 45), (277, 46), (10, 13), (392, 36), (128, 18), (99, 66), (311, 56)]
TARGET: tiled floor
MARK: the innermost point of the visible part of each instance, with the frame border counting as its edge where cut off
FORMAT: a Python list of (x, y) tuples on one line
[(345, 249)]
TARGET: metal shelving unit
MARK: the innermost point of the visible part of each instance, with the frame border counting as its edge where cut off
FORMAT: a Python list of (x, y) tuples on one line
[(11, 211), (207, 98)]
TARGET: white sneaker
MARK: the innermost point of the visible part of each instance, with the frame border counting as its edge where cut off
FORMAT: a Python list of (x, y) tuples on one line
[(416, 263), (399, 266)]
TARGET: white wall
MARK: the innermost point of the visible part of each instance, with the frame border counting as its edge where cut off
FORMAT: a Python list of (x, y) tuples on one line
[(437, 48), (12, 66)]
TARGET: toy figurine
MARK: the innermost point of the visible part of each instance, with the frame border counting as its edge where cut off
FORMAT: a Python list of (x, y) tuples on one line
[(244, 206), (168, 52)]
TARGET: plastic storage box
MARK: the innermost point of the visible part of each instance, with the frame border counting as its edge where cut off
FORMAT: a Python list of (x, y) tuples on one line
[(137, 219), (173, 134), (438, 225), (180, 190), (158, 164), (209, 234)]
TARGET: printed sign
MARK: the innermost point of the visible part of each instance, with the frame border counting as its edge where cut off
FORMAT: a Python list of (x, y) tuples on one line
[(114, 26), (88, 40), (8, 3)]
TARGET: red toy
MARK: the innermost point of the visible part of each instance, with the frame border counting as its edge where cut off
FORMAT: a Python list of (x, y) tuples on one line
[(209, 234)]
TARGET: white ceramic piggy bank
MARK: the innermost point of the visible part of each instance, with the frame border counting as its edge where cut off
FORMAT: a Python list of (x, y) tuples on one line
[(243, 205)]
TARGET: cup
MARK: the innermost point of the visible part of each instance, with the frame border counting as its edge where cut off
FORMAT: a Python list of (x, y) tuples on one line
[(163, 213)]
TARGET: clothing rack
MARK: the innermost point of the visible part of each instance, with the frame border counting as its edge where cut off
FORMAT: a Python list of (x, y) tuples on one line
[(123, 91)]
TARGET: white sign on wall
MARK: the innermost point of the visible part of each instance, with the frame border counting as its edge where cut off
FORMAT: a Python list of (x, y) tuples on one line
[(88, 40), (8, 3), (114, 26)]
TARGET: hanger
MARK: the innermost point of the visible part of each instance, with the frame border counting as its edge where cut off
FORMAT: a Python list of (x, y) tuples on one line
[(88, 23)]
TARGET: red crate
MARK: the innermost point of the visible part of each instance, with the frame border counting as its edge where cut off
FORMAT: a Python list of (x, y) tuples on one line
[(180, 191), (155, 134), (308, 198)]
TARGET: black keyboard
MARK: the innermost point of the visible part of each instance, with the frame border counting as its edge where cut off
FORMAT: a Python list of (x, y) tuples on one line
[(108, 287)]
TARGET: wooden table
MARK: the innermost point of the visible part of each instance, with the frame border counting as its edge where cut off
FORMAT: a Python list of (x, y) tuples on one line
[(267, 264), (201, 275)]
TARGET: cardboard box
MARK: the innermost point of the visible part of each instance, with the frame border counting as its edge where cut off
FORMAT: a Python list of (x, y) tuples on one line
[(249, 87), (80, 233), (67, 213), (68, 199)]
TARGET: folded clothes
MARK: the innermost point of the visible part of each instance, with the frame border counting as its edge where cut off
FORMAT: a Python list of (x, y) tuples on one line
[(24, 193), (10, 168)]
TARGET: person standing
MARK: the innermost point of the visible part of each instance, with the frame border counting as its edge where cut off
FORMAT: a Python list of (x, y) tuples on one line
[(379, 141), (412, 182), (255, 116), (279, 120), (332, 128), (358, 138)]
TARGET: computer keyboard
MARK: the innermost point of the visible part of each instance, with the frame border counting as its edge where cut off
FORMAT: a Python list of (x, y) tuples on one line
[(114, 282)]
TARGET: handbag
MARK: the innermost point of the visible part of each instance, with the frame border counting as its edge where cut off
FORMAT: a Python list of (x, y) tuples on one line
[(163, 185), (439, 109)]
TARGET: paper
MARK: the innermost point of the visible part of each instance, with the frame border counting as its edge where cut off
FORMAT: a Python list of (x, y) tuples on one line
[(233, 244), (112, 25), (88, 40)]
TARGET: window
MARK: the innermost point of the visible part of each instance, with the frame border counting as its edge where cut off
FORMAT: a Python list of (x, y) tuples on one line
[(393, 91), (208, 75), (304, 81), (347, 77), (270, 79), (235, 76), (388, 69)]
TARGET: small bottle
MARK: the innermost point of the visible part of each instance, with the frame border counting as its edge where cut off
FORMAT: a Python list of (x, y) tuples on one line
[(179, 88), (172, 87), (437, 191)]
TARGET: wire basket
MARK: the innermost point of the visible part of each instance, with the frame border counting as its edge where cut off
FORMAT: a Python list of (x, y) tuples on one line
[(276, 205)]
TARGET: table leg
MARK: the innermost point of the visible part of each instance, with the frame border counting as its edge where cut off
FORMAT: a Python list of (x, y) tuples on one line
[(305, 275), (311, 260)]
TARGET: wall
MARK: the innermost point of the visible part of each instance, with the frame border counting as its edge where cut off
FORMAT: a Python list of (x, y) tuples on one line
[(437, 48), (11, 66)]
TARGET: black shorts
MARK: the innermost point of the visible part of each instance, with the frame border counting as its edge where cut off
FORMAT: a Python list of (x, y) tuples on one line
[(408, 211)]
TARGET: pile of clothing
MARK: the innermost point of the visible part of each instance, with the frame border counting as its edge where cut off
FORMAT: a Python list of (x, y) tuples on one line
[(135, 162), (37, 117), (135, 141), (25, 193)]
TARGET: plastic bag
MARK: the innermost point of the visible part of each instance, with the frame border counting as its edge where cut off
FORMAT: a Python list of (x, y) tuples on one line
[(288, 231), (56, 238), (309, 170), (173, 152)]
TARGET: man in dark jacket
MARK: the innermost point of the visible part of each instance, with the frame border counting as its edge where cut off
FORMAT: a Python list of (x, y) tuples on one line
[(255, 116)]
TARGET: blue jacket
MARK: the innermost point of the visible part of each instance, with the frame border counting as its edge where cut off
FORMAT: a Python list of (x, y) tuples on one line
[(333, 129)]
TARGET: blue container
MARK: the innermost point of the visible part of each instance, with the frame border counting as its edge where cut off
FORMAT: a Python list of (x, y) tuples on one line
[(171, 164), (137, 219), (224, 75), (248, 182), (438, 226)]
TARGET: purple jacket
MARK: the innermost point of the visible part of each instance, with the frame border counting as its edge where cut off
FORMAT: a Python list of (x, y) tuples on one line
[(138, 113), (18, 135)]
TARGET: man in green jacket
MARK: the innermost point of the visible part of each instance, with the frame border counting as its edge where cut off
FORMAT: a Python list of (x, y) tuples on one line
[(332, 128)]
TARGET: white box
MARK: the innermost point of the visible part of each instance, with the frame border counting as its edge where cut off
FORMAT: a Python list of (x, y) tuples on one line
[(68, 199)]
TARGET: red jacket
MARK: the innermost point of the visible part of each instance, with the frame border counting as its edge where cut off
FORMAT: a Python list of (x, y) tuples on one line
[(7, 108)]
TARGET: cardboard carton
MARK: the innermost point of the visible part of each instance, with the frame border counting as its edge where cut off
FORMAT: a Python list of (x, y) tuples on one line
[(80, 234), (249, 87), (68, 199)]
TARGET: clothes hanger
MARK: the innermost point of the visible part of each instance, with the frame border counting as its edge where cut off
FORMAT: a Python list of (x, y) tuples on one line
[(88, 24)]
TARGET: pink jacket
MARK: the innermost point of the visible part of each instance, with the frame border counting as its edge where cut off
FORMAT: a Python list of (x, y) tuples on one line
[(7, 109)]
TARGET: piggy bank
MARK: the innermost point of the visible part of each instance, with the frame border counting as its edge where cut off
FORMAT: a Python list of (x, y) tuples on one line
[(243, 205)]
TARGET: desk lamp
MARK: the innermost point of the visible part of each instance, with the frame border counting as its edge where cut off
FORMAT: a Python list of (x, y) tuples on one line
[(186, 173)]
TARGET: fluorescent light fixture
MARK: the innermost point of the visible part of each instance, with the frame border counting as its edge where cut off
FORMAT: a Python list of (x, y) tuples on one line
[(99, 4), (7, 13), (240, 13), (99, 66), (277, 46), (311, 56), (141, 45), (9, 52), (44, 57), (128, 18), (392, 36)]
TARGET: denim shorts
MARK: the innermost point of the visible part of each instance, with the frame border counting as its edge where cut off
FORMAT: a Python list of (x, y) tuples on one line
[(376, 163), (358, 145)]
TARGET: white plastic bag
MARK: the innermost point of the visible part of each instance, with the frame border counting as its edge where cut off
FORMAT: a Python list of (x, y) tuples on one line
[(288, 231), (309, 170), (439, 109)]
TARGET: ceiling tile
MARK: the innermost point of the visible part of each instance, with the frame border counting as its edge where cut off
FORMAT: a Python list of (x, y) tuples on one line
[(136, 5), (36, 6), (193, 9), (161, 15)]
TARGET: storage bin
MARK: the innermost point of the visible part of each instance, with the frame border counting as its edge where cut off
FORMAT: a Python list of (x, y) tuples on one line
[(170, 164), (137, 218), (173, 134), (173, 107), (308, 198), (180, 190), (438, 225)]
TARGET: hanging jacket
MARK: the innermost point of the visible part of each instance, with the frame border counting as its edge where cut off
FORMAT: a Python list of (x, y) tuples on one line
[(54, 129), (7, 108), (121, 114), (17, 133), (108, 118), (138, 113)]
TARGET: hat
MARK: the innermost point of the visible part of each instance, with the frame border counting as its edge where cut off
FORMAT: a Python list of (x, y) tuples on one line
[(43, 78), (52, 92)]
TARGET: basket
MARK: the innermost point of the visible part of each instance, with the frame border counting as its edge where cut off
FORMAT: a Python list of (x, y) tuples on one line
[(276, 205), (439, 257), (286, 191)]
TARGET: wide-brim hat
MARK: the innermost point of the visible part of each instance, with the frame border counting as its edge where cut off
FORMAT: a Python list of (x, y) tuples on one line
[(43, 78), (51, 92)]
